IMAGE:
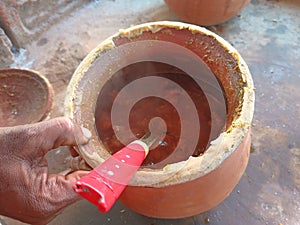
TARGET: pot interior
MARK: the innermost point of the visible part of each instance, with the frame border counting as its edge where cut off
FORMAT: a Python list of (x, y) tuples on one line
[(140, 108), (157, 86), (181, 84)]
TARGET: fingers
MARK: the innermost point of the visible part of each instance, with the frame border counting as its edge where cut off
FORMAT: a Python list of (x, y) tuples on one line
[(78, 163), (72, 177), (56, 132), (40, 196), (41, 137), (63, 131)]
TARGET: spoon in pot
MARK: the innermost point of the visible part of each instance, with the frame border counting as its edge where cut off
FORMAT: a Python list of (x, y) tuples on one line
[(103, 185)]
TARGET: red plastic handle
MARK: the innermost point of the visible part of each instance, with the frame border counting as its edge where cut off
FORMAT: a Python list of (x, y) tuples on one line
[(104, 184)]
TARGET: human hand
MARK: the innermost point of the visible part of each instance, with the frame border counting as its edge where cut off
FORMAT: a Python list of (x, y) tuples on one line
[(27, 191)]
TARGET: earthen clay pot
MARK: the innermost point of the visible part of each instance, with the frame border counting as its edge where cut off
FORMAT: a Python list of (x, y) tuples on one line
[(197, 183), (206, 12), (25, 97)]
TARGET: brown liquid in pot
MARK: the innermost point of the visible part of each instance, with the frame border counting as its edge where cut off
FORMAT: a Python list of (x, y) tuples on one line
[(152, 106)]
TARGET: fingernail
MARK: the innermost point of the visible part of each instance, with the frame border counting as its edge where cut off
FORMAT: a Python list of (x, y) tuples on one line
[(86, 132)]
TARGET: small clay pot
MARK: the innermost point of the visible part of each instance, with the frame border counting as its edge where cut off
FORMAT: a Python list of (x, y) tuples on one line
[(183, 187), (206, 12), (25, 97)]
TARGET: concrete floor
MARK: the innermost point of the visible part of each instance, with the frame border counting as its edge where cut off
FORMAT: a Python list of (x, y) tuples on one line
[(266, 34)]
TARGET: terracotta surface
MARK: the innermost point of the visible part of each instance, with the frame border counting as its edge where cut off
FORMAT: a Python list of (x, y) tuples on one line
[(191, 198), (169, 43), (266, 33), (25, 97), (206, 12)]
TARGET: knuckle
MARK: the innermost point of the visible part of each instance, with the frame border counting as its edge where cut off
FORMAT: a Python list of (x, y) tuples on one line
[(65, 124)]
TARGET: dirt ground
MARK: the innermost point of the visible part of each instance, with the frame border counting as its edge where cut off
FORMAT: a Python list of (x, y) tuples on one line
[(266, 34)]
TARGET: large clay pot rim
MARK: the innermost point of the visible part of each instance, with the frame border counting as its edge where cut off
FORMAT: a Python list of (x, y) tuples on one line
[(44, 83), (221, 148)]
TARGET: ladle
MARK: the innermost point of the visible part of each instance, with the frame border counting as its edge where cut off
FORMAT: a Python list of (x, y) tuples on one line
[(104, 184)]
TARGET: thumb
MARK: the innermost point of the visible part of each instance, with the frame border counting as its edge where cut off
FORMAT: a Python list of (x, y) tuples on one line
[(63, 131), (74, 176), (57, 132)]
